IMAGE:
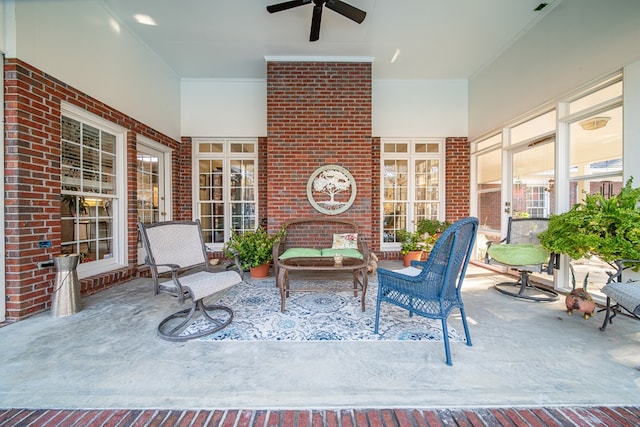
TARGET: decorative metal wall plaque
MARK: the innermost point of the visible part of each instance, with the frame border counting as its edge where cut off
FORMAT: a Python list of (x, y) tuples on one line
[(331, 189)]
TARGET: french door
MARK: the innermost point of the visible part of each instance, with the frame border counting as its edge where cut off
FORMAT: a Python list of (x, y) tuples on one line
[(153, 186)]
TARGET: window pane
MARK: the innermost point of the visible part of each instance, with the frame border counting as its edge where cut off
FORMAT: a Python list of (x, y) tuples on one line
[(596, 98), (596, 144), (540, 125), (395, 147), (496, 139), (533, 172), (88, 169)]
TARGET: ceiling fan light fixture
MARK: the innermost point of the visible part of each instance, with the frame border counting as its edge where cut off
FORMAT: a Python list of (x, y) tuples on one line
[(594, 123)]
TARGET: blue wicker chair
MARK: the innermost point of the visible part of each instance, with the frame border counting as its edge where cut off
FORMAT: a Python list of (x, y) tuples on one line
[(431, 288)]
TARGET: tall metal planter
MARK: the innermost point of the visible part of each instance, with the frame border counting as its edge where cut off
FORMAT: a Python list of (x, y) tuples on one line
[(66, 290)]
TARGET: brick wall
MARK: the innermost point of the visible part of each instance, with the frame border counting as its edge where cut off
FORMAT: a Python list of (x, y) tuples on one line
[(32, 167), (318, 113), (457, 181)]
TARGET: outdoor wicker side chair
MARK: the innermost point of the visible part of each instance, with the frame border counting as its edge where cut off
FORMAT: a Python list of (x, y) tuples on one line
[(431, 288), (177, 256)]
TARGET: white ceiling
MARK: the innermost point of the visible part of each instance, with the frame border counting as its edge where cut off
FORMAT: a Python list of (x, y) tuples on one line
[(437, 39)]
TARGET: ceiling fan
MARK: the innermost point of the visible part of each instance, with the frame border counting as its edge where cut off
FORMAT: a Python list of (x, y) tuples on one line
[(338, 6)]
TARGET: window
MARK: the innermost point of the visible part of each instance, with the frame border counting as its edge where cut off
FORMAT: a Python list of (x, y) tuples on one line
[(412, 179), (489, 183), (226, 187), (595, 147), (90, 190)]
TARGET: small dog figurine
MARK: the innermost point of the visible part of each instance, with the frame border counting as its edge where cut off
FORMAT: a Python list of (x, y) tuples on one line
[(373, 263)]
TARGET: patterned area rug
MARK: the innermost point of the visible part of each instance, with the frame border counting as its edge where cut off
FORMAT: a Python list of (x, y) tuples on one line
[(319, 315)]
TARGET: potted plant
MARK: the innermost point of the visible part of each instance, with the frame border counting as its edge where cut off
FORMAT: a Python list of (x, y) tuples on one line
[(430, 230), (415, 244), (605, 228), (432, 227), (253, 249)]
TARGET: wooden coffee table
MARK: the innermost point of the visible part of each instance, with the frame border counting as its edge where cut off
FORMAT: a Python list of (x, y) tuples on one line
[(356, 265)]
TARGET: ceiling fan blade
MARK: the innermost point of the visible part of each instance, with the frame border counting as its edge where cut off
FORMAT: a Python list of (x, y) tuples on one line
[(346, 10), (315, 23), (279, 7)]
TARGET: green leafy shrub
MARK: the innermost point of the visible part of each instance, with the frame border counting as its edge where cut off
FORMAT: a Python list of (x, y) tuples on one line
[(253, 248), (425, 236), (606, 228)]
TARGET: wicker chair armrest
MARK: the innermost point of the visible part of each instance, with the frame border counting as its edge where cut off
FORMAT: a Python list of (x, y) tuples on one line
[(415, 286)]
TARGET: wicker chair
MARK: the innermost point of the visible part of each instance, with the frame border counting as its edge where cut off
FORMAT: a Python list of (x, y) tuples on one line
[(431, 288), (176, 249)]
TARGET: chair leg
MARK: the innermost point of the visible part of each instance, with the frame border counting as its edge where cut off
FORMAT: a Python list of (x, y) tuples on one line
[(375, 327), (608, 318), (524, 286), (466, 326), (213, 323), (445, 338)]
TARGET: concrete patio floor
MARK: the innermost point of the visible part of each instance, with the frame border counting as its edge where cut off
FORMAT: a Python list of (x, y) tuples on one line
[(524, 354)]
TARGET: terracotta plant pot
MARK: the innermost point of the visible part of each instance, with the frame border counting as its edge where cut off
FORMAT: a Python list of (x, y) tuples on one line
[(411, 256), (580, 300), (260, 271)]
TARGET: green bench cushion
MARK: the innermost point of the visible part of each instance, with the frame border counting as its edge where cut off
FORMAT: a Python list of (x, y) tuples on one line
[(518, 254), (310, 252), (351, 253)]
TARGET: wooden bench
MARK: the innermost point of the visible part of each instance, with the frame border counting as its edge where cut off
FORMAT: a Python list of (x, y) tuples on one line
[(310, 244)]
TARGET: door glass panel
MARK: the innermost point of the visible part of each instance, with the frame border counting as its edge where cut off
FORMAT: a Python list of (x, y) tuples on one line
[(211, 199), (533, 179), (243, 197), (151, 203), (426, 189), (148, 176), (489, 198), (395, 188)]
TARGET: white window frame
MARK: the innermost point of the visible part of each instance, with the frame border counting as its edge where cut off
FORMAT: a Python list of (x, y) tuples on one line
[(119, 249), (227, 157), (411, 156)]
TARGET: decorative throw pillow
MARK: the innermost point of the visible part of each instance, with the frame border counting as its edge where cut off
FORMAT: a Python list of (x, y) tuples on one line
[(345, 241)]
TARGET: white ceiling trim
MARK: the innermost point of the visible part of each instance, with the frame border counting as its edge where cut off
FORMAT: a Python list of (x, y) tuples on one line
[(270, 58)]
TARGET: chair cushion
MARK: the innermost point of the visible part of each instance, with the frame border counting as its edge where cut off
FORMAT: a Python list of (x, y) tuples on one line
[(625, 294), (518, 254), (409, 271), (310, 252), (205, 283), (351, 253), (300, 253)]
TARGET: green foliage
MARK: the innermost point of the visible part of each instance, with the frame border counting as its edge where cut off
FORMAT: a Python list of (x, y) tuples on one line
[(411, 241), (606, 228), (425, 236), (432, 226), (253, 248)]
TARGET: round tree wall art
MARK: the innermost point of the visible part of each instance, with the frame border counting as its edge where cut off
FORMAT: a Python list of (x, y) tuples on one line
[(331, 189)]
